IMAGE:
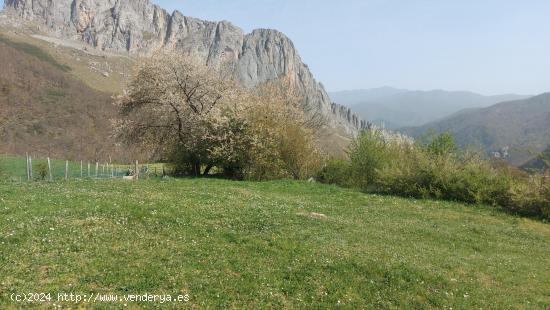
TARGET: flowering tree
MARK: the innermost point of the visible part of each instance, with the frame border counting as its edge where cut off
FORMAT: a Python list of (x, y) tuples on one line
[(173, 106), (197, 117)]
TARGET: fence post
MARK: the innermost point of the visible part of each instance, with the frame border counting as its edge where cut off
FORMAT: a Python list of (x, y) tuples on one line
[(137, 171), (50, 169), (88, 170), (81, 169), (96, 169), (28, 171), (66, 170), (30, 167)]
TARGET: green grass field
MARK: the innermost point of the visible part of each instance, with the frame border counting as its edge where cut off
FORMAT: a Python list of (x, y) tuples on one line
[(14, 168), (265, 245)]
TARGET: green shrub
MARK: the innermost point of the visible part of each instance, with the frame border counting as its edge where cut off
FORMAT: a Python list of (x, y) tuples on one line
[(422, 173), (436, 169), (282, 152), (230, 151), (473, 180), (336, 171), (266, 163), (531, 197), (409, 174), (441, 144), (41, 171), (298, 151), (369, 153)]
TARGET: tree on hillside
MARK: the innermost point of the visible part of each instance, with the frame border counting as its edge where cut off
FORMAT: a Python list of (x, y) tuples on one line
[(173, 106), (197, 117)]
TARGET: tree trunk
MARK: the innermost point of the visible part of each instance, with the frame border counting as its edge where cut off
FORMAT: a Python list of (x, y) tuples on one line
[(207, 170), (197, 169)]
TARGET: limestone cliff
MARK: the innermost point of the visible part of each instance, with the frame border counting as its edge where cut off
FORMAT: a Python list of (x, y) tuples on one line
[(139, 27)]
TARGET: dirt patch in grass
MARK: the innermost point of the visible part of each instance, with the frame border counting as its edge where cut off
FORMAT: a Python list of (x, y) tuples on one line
[(314, 215)]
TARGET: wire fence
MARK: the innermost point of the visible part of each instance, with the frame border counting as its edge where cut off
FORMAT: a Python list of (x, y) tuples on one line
[(31, 168)]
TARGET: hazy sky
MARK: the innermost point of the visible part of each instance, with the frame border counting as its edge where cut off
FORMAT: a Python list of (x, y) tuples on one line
[(487, 46)]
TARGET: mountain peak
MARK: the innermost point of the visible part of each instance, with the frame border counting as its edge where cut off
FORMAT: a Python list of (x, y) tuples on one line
[(141, 28)]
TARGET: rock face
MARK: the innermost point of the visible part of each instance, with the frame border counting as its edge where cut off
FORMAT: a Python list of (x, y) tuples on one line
[(140, 28)]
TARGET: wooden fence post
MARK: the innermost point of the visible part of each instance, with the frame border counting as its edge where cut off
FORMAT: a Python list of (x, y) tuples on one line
[(66, 170), (50, 169), (137, 171), (88, 170), (96, 169), (30, 167), (28, 170), (81, 169)]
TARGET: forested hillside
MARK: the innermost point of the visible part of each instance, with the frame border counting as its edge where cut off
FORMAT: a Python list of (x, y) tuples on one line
[(522, 127), (45, 110)]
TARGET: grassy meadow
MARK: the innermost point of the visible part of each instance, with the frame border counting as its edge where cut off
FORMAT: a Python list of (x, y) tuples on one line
[(279, 244), (14, 168)]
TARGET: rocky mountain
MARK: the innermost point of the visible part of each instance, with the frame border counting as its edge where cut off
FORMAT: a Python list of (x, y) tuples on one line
[(403, 108), (138, 27), (516, 130)]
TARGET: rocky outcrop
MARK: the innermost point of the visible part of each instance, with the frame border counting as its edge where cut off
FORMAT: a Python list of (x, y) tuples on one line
[(347, 114), (139, 27)]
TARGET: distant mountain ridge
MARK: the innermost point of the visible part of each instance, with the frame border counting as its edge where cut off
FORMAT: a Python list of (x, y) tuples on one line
[(353, 97), (521, 126), (405, 108)]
